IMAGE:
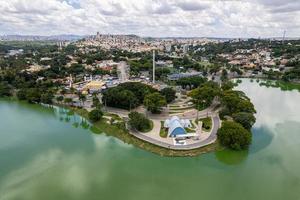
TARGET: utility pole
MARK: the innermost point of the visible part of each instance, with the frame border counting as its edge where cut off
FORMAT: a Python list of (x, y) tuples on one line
[(283, 38), (198, 112), (153, 66)]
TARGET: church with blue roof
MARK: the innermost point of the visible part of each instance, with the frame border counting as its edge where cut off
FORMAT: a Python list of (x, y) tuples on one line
[(176, 127)]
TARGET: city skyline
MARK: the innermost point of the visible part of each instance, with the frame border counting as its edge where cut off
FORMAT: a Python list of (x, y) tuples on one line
[(152, 18)]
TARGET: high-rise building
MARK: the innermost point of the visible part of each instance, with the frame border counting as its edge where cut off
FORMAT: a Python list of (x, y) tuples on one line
[(168, 47), (185, 48)]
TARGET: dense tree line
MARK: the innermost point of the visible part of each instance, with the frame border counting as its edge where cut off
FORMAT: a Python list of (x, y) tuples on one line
[(5, 90), (143, 64), (27, 86), (127, 95), (169, 94), (294, 73), (191, 82), (204, 95), (154, 102), (235, 105)]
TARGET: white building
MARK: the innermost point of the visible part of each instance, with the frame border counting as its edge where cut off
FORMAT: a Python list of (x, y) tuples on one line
[(176, 126)]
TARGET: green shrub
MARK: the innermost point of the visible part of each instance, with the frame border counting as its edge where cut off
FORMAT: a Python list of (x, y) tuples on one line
[(139, 122), (234, 136), (95, 115)]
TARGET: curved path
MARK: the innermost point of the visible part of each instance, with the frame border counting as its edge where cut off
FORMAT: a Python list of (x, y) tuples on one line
[(211, 139), (192, 114)]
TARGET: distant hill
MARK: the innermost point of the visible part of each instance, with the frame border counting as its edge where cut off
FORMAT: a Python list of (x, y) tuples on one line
[(66, 37), (41, 38)]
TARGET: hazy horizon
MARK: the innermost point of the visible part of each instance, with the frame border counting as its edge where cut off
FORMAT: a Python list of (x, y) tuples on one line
[(152, 18), (158, 37)]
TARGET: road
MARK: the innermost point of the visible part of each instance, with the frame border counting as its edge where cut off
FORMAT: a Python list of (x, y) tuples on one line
[(123, 72), (191, 114)]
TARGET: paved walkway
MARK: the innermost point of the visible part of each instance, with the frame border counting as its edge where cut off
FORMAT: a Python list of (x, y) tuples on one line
[(190, 114)]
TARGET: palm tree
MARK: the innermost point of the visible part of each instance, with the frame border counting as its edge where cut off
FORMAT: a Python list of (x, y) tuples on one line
[(59, 99), (82, 98)]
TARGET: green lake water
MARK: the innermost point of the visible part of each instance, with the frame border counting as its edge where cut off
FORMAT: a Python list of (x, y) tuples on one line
[(46, 153)]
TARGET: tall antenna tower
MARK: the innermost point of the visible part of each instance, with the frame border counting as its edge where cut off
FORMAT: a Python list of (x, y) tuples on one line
[(283, 38), (153, 66)]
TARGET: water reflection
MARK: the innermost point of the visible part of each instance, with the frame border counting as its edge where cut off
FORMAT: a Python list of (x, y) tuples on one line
[(273, 106), (37, 131), (45, 157), (230, 157), (262, 138), (68, 116)]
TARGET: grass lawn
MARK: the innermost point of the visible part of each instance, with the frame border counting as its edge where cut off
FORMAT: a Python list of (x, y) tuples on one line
[(175, 112), (174, 106), (206, 123), (188, 130), (182, 108), (193, 125), (163, 133), (113, 116)]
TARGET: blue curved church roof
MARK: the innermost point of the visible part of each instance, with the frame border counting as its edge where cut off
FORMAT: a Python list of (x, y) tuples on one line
[(175, 128)]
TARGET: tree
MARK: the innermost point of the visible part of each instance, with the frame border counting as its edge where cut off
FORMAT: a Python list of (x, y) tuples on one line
[(33, 95), (4, 90), (68, 100), (139, 122), (224, 75), (191, 82), (205, 94), (234, 136), (228, 85), (120, 98), (127, 95), (245, 119), (160, 73), (63, 91), (95, 115), (153, 102), (96, 102), (21, 94), (236, 101), (169, 94), (59, 99), (82, 98), (47, 98)]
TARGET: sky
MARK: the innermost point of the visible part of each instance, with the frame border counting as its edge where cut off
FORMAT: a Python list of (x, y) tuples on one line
[(154, 18)]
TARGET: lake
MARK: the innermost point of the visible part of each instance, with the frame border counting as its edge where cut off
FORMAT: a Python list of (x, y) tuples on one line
[(48, 153)]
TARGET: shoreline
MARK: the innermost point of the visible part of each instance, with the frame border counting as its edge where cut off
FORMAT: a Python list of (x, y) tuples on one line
[(112, 130), (124, 135)]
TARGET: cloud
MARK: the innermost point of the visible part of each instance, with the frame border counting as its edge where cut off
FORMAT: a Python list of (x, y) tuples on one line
[(192, 5), (245, 18)]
